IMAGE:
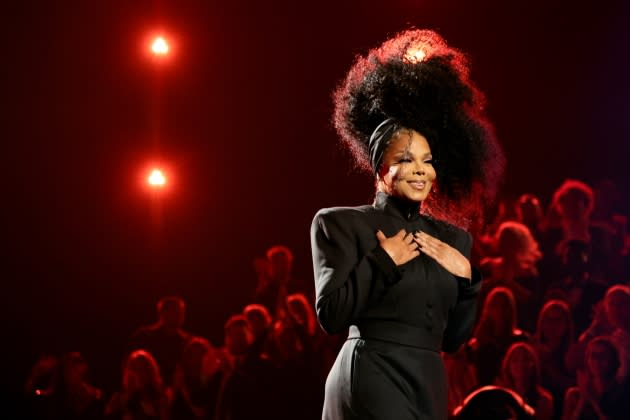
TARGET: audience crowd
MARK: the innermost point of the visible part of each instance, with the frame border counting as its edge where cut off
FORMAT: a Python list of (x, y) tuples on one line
[(552, 338)]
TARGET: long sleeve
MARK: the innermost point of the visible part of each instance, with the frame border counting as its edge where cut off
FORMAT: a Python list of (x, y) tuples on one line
[(345, 278), (461, 318)]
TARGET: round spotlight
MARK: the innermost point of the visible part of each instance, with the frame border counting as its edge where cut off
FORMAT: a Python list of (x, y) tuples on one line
[(159, 46), (156, 179)]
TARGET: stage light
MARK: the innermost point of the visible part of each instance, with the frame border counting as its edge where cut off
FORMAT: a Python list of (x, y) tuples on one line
[(159, 46), (156, 179), (415, 54)]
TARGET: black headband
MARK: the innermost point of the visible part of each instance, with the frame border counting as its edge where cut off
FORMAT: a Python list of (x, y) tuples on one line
[(379, 140)]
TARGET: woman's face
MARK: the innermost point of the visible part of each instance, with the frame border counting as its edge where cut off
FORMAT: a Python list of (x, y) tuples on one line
[(140, 371), (554, 323), (407, 171), (574, 206), (521, 365), (601, 360), (258, 321), (498, 311), (238, 339)]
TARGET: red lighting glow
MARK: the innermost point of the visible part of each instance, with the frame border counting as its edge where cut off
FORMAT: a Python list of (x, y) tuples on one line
[(156, 179), (159, 46), (415, 54)]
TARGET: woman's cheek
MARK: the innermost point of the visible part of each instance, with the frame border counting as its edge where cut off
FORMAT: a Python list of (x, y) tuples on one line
[(393, 172)]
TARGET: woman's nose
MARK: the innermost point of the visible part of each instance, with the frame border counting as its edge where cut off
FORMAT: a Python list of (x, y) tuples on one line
[(419, 170)]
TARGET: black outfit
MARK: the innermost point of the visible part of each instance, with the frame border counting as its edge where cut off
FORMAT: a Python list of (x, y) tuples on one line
[(400, 317)]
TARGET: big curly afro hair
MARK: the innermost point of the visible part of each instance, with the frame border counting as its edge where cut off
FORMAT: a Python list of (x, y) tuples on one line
[(417, 79)]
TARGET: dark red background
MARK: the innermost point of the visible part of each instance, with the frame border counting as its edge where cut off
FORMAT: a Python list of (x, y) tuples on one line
[(241, 114)]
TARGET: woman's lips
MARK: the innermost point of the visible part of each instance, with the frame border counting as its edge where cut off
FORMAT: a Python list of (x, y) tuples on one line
[(418, 185)]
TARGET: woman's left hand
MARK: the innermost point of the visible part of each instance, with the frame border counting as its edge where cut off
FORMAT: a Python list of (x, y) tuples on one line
[(445, 255)]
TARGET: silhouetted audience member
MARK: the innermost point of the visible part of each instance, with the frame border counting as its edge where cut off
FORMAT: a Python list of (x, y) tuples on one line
[(461, 376), (68, 394), (302, 312), (276, 281), (261, 324), (607, 217), (143, 395), (40, 382), (601, 392), (514, 267), (506, 210), (325, 346), (529, 212), (247, 390), (197, 381), (576, 285), (295, 362), (520, 372), (600, 325), (495, 332), (42, 376), (165, 339), (569, 219), (493, 402), (617, 306), (553, 342)]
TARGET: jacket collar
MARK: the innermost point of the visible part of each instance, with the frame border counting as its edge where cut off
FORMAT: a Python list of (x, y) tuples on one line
[(407, 210)]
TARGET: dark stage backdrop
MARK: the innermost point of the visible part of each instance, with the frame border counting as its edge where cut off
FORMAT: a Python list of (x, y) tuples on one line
[(240, 113)]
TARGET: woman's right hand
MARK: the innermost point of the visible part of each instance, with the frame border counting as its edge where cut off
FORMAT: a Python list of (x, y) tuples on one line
[(401, 247)]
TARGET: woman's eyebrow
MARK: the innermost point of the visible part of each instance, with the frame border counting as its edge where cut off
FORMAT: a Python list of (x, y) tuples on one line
[(403, 152)]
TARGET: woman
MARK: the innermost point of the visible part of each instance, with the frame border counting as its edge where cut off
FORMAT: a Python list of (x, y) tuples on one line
[(399, 278), (295, 361), (520, 372), (617, 307), (495, 332), (261, 324), (554, 341), (514, 267), (196, 382), (143, 395), (601, 392)]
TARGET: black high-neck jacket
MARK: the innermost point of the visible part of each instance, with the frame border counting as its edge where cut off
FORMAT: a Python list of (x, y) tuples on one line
[(357, 284)]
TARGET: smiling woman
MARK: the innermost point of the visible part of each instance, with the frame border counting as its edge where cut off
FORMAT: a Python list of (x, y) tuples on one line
[(397, 273), (407, 168)]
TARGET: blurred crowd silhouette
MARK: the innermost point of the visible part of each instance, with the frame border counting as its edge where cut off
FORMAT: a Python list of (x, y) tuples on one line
[(552, 338)]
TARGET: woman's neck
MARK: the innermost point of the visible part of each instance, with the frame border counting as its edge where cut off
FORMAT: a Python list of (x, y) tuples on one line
[(601, 384), (523, 387)]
